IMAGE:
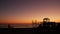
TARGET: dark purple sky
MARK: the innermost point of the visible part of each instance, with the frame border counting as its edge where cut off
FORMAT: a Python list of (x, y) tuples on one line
[(28, 10)]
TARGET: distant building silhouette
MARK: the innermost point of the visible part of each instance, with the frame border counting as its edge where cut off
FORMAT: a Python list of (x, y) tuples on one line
[(47, 25)]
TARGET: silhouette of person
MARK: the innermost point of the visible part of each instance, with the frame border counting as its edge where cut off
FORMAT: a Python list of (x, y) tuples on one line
[(9, 26)]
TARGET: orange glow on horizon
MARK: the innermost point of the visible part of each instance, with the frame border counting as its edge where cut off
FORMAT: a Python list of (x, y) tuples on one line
[(23, 21)]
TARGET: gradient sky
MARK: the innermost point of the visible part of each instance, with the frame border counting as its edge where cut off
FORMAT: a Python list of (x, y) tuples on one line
[(24, 11)]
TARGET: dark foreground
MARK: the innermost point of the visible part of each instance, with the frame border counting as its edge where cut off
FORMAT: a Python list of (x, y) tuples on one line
[(45, 27), (26, 31)]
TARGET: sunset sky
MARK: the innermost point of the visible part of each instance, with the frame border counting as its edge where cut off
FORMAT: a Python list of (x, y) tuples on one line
[(14, 11)]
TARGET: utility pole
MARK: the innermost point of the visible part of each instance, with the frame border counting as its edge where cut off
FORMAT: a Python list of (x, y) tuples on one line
[(32, 24)]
